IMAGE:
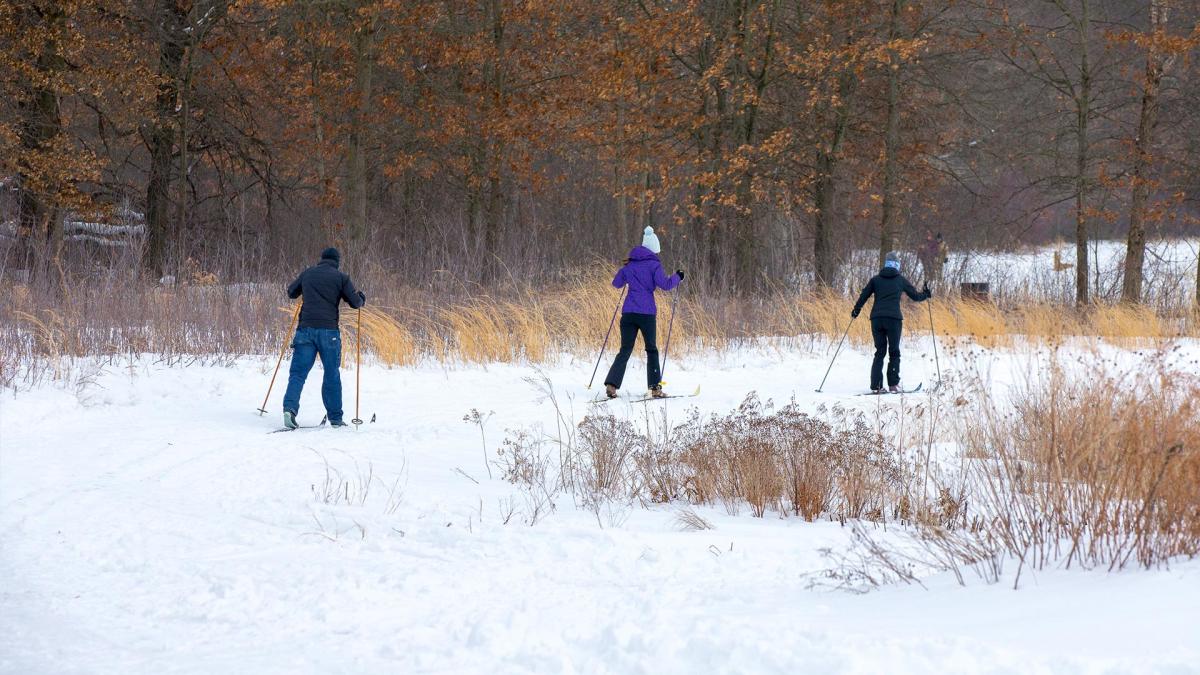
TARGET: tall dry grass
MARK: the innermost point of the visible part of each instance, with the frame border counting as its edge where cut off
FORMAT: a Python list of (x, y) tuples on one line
[(462, 325), (1091, 468), (1084, 464)]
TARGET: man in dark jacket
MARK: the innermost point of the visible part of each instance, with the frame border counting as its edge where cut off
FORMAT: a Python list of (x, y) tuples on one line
[(886, 320), (323, 287)]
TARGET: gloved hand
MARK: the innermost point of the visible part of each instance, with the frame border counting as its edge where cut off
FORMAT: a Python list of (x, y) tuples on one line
[(680, 273), (854, 313), (362, 297), (928, 293)]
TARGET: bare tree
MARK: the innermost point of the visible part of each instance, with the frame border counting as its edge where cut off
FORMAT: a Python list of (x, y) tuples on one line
[(1157, 63)]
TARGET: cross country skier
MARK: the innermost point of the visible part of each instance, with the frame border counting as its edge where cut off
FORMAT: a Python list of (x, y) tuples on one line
[(323, 287), (643, 272), (886, 320)]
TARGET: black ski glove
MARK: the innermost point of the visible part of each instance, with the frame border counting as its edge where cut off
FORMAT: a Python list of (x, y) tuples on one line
[(854, 313), (928, 293), (680, 273)]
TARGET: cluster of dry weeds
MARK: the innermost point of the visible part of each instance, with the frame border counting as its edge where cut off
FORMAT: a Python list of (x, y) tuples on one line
[(1083, 464)]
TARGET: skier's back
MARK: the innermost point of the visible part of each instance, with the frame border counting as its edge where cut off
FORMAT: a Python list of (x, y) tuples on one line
[(324, 287), (887, 321), (643, 274)]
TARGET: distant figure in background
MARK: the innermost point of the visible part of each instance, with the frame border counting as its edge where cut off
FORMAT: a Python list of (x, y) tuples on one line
[(1059, 265), (887, 322), (933, 254), (643, 273), (323, 286)]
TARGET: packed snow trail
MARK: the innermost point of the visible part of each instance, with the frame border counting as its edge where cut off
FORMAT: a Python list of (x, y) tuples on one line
[(148, 524)]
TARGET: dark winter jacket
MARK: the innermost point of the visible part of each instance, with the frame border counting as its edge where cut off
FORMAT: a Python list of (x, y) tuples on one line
[(887, 287), (643, 273), (323, 287)]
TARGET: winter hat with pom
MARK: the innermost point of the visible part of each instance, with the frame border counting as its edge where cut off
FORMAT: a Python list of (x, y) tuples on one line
[(892, 260), (331, 253), (650, 240)]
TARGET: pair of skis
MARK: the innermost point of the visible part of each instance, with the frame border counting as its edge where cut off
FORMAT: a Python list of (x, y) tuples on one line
[(301, 426), (884, 392), (313, 426), (605, 399)]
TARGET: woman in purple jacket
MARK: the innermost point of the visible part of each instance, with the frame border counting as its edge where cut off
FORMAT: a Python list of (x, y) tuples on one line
[(643, 272)]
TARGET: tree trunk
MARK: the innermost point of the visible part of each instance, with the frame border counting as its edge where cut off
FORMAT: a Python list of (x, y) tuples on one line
[(622, 205), (1082, 118), (888, 227), (364, 72), (747, 270), (170, 18), (1135, 245), (494, 148), (824, 260), (39, 221), (493, 221), (324, 185)]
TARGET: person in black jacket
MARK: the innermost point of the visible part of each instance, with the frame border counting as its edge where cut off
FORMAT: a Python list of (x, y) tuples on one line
[(323, 287), (886, 320)]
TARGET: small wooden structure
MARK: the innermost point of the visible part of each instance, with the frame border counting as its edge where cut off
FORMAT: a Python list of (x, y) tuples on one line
[(974, 290)]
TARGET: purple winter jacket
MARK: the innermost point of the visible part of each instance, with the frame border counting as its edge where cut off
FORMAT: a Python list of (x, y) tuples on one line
[(643, 273)]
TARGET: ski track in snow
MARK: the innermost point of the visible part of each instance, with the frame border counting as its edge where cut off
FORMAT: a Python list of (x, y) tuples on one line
[(150, 524)]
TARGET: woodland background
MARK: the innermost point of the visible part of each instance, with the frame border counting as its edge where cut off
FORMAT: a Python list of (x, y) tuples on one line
[(487, 141)]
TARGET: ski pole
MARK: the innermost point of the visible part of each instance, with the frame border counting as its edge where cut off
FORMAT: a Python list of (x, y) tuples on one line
[(357, 369), (283, 350), (667, 347), (933, 334), (603, 347), (835, 354)]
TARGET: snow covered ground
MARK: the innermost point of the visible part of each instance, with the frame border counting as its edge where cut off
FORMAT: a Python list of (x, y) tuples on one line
[(150, 524)]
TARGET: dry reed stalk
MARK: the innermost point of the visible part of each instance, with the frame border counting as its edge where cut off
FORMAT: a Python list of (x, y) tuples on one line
[(403, 325), (1093, 469)]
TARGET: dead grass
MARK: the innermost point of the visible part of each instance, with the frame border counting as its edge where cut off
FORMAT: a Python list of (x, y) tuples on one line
[(783, 461), (1082, 465), (1094, 469), (403, 325)]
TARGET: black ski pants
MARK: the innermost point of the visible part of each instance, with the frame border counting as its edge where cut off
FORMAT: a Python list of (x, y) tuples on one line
[(631, 324), (887, 343)]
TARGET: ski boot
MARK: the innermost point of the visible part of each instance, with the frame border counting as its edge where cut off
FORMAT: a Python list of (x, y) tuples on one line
[(289, 419), (657, 392), (337, 424), (610, 391), (894, 389)]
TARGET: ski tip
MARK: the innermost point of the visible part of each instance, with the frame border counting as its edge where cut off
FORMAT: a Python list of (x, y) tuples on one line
[(697, 392)]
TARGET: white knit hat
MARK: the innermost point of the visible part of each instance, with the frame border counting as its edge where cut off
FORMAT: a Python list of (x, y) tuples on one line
[(650, 240)]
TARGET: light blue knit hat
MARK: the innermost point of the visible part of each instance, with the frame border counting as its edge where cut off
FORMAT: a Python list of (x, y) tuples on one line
[(892, 260), (650, 240)]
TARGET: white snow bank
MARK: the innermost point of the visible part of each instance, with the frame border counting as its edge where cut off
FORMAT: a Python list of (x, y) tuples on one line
[(149, 524)]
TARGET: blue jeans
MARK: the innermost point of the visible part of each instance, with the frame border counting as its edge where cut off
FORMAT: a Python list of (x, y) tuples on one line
[(308, 343)]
